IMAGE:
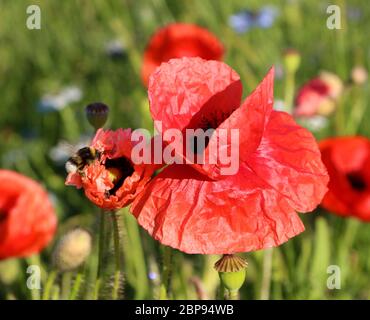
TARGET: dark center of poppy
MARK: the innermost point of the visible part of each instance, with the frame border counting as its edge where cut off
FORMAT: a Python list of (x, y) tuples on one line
[(212, 122), (2, 216), (357, 181), (125, 168)]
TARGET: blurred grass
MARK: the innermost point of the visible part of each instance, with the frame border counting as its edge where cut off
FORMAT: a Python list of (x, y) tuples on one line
[(70, 50)]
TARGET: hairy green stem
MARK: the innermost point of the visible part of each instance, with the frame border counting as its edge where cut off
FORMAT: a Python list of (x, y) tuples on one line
[(35, 261), (76, 287), (49, 285), (266, 275), (66, 285), (233, 295), (289, 92), (117, 255), (102, 240), (166, 273)]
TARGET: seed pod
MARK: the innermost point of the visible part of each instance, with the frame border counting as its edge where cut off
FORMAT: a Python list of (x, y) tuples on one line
[(72, 250), (232, 271)]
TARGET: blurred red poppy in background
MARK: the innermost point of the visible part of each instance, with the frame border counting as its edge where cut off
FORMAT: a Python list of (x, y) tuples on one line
[(112, 181), (195, 209), (348, 162), (179, 40), (318, 96), (27, 218)]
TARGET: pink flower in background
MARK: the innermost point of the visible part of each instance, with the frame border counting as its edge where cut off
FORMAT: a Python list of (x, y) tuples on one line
[(318, 96)]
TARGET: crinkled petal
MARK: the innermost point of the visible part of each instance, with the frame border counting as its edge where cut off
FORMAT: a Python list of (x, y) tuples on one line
[(249, 120), (241, 213), (114, 143), (180, 89), (289, 161)]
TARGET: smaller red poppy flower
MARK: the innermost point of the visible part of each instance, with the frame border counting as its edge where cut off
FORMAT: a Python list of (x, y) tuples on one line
[(27, 218), (112, 180), (318, 95), (179, 40), (348, 162)]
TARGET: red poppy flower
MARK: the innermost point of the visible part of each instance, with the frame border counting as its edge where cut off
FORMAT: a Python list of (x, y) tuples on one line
[(195, 209), (348, 162), (27, 218), (112, 181), (318, 95), (179, 40)]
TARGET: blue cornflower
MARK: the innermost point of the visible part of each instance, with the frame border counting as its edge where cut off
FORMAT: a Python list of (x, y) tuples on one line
[(244, 20)]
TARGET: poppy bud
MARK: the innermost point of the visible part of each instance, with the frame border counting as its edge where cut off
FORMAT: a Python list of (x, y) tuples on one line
[(72, 250), (232, 272), (292, 60), (359, 75), (97, 114)]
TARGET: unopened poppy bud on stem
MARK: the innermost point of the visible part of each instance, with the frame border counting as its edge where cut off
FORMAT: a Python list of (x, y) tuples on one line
[(72, 250), (292, 60), (97, 114), (232, 272)]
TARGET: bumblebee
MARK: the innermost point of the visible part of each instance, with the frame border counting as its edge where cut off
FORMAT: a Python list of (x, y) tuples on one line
[(81, 158)]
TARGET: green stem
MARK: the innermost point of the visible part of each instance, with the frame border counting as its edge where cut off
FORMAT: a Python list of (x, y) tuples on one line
[(135, 264), (266, 275), (66, 285), (221, 292), (102, 240), (55, 293), (233, 295), (117, 254), (49, 285), (35, 294), (289, 92), (76, 287), (69, 122), (166, 273), (35, 261)]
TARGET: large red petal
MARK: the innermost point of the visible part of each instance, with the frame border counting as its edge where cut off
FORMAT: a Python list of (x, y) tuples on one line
[(241, 213), (250, 121), (288, 160), (180, 89)]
